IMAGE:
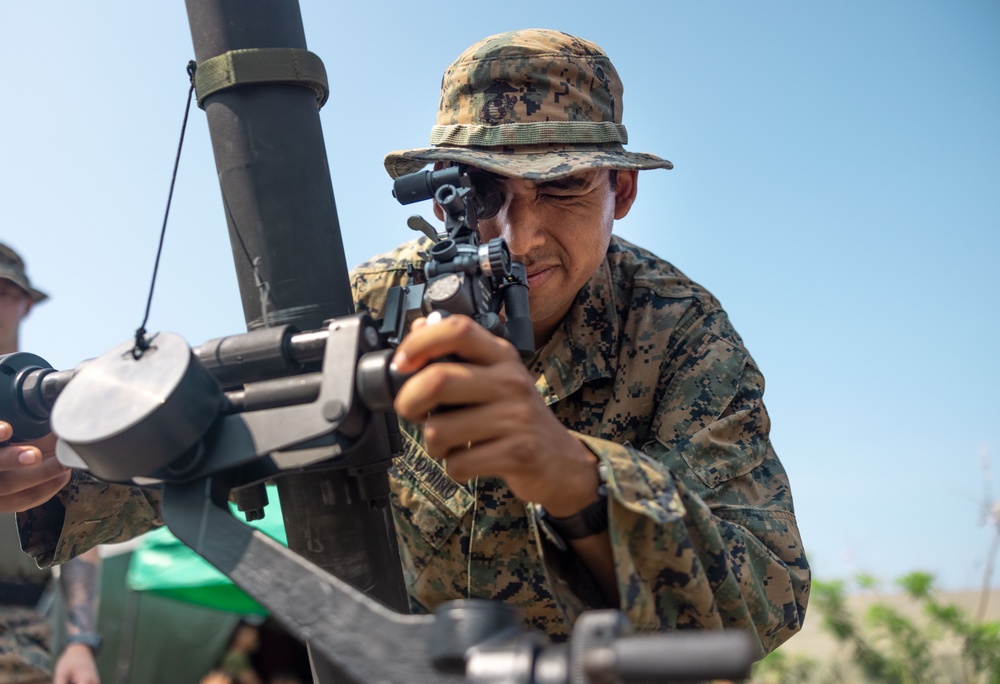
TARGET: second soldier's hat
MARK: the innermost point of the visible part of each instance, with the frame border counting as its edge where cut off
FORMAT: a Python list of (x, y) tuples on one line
[(12, 269), (536, 104)]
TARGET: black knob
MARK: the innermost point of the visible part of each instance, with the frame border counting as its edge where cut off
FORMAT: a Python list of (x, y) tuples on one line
[(494, 258)]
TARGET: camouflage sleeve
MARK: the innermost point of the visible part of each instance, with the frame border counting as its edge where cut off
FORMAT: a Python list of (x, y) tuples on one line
[(87, 512), (701, 519), (682, 563)]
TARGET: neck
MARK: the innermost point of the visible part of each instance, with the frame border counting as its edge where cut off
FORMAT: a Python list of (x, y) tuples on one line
[(543, 335), (8, 344)]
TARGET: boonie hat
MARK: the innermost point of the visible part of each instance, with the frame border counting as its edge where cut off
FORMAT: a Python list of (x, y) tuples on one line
[(12, 269), (536, 104)]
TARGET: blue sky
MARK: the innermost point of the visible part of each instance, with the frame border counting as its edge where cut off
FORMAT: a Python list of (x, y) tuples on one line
[(837, 187)]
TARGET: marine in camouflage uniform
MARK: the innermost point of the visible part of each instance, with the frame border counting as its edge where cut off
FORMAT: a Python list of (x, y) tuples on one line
[(25, 625), (647, 370), (644, 368), (25, 632)]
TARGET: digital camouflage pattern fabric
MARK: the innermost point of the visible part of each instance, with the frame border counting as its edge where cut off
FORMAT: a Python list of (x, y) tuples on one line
[(85, 513), (648, 371), (24, 631), (24, 651), (536, 104)]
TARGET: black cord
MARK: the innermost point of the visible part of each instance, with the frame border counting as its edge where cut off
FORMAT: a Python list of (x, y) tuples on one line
[(141, 343)]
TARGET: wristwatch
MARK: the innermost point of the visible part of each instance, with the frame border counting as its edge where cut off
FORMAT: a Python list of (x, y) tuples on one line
[(593, 519), (90, 639)]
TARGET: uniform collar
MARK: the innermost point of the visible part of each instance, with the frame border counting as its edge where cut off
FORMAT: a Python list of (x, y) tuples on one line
[(583, 347)]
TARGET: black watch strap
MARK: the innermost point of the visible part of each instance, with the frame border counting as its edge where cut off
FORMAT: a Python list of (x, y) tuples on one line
[(593, 519)]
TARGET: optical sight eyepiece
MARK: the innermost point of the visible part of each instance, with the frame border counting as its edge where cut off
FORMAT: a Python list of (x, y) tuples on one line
[(419, 186)]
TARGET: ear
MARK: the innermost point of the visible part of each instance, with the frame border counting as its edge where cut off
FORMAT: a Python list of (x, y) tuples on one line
[(625, 190), (28, 303)]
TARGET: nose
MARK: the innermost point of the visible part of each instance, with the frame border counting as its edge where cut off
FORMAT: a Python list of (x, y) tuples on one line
[(519, 225)]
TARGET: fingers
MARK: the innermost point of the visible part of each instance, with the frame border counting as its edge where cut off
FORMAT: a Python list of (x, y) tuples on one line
[(76, 666), (541, 464), (13, 457), (452, 431), (460, 384), (513, 456), (21, 493), (436, 337), (493, 370), (499, 425), (29, 476), (46, 444)]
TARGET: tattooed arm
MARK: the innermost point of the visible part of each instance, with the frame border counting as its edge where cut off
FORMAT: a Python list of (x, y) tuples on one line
[(79, 581)]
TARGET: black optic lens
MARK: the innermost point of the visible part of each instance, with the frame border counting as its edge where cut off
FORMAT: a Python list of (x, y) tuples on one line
[(488, 194)]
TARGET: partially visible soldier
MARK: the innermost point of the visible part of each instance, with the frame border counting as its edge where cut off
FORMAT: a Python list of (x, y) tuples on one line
[(628, 464), (25, 630)]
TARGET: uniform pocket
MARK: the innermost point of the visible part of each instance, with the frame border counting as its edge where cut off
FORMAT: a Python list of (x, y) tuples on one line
[(430, 503)]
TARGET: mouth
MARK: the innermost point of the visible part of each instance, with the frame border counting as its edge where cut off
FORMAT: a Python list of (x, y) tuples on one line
[(538, 277)]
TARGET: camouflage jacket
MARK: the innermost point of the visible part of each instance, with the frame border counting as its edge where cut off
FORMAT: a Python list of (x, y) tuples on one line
[(647, 370), (24, 632)]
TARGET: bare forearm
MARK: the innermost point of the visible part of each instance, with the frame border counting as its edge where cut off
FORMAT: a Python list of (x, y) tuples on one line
[(79, 579)]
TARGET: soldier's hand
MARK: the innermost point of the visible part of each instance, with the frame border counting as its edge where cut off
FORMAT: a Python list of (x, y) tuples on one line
[(30, 475), (497, 423), (76, 666)]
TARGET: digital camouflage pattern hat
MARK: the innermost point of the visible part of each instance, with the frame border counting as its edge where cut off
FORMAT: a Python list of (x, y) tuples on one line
[(536, 104), (12, 269)]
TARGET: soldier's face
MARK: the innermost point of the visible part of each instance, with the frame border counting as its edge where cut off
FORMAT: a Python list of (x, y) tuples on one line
[(560, 230), (15, 304)]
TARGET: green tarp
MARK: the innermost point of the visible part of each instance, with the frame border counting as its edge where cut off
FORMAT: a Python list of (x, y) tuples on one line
[(166, 614), (165, 566)]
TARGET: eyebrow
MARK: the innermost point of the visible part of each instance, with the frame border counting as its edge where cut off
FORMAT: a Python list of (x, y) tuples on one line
[(564, 183), (567, 183)]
